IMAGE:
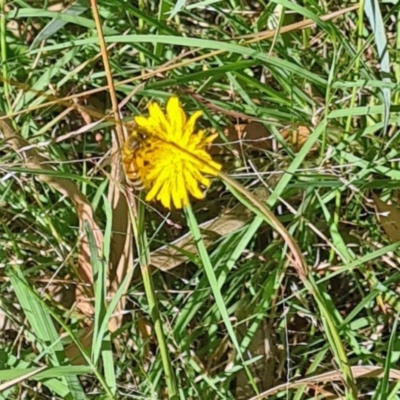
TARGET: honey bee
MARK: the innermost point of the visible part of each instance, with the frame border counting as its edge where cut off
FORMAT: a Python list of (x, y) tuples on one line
[(134, 142)]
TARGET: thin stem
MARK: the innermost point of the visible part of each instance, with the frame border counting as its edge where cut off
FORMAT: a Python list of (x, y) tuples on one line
[(3, 53), (141, 240), (110, 81)]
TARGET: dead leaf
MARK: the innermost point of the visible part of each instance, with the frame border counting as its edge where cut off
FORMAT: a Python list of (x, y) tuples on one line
[(172, 255), (389, 218), (255, 136), (72, 351), (121, 251), (295, 137), (261, 344)]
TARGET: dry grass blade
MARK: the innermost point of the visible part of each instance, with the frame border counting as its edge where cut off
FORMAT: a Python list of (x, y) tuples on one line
[(121, 252), (358, 371), (298, 261), (308, 23), (12, 382), (107, 68)]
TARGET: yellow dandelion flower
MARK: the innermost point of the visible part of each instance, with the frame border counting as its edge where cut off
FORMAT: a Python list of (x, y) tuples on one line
[(170, 159)]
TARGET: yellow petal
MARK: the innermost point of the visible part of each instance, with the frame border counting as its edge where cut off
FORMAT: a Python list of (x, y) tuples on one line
[(198, 177), (192, 185), (176, 200), (176, 118), (157, 184), (211, 138), (179, 192), (165, 195), (158, 117), (189, 126), (206, 164), (143, 123), (150, 195)]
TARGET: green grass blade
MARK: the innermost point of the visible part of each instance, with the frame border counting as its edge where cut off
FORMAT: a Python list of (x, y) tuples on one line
[(373, 13), (209, 271), (42, 325)]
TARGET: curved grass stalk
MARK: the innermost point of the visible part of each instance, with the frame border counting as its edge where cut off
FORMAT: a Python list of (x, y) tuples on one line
[(261, 210)]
